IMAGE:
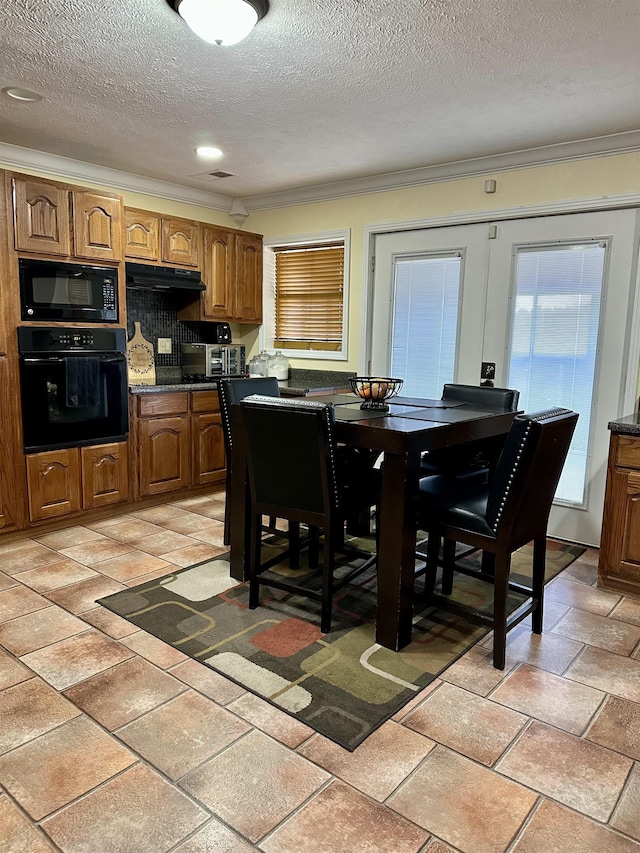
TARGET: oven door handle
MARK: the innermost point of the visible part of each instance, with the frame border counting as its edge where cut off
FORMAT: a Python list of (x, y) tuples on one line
[(56, 360)]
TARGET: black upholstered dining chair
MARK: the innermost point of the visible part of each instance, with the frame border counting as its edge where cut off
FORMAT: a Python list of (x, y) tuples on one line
[(232, 391), (499, 517), (293, 474), (477, 457)]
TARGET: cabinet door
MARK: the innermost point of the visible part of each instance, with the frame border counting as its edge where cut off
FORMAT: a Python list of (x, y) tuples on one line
[(180, 242), (97, 226), (104, 474), (41, 217), (217, 274), (208, 449), (142, 235), (164, 455), (248, 294), (53, 482)]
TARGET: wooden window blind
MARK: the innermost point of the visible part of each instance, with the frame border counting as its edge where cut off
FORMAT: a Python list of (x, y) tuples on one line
[(309, 289)]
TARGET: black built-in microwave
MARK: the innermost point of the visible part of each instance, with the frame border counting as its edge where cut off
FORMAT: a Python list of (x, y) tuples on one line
[(56, 291)]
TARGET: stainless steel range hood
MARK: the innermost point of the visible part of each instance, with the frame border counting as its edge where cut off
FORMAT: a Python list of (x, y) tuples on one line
[(147, 277)]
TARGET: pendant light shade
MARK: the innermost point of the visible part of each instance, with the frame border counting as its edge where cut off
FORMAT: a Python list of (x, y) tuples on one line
[(221, 22)]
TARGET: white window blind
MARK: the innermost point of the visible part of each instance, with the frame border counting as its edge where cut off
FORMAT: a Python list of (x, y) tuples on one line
[(558, 298), (309, 296), (425, 322)]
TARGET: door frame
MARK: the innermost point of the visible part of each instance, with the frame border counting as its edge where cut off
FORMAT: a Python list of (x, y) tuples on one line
[(628, 399)]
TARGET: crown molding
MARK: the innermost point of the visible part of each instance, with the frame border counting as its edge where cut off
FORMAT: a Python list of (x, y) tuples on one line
[(617, 143), (15, 157)]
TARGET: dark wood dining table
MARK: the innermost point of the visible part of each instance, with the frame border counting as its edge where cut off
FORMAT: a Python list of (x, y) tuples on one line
[(410, 427)]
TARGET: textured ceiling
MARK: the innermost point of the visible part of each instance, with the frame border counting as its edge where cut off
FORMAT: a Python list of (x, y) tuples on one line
[(319, 92)]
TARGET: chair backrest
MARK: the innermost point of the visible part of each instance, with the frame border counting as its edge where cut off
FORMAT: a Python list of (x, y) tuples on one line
[(528, 471), (290, 456), (232, 391), (498, 399)]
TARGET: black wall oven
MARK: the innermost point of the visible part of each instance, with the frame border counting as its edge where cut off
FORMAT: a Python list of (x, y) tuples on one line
[(74, 386), (50, 290)]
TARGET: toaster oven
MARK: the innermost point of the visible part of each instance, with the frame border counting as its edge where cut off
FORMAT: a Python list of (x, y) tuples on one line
[(213, 360)]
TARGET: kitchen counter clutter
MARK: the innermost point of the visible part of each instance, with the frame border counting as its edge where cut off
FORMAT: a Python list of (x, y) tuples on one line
[(619, 562)]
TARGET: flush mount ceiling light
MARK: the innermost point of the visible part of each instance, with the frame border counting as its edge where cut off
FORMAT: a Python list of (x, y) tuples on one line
[(21, 94), (209, 152), (221, 21)]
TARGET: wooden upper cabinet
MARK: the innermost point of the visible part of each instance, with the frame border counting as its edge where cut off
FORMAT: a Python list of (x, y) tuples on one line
[(41, 217), (232, 273), (142, 235), (180, 242), (151, 237), (248, 293), (97, 226), (218, 271), (46, 215)]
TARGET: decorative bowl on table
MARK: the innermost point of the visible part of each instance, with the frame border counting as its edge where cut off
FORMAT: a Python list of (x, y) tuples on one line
[(375, 390)]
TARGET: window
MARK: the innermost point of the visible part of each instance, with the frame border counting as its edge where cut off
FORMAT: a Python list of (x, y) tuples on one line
[(554, 341), (306, 311), (425, 322)]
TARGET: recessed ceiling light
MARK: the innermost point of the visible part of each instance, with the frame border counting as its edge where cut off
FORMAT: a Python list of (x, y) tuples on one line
[(208, 151), (21, 94)]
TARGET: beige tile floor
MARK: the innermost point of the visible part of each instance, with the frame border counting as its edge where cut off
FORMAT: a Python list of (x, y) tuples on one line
[(113, 742)]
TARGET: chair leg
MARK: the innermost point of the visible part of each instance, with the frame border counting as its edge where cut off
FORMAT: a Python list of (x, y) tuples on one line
[(433, 554), (500, 591), (327, 582), (539, 566), (226, 538), (359, 524), (314, 547), (255, 547), (448, 563), (294, 545)]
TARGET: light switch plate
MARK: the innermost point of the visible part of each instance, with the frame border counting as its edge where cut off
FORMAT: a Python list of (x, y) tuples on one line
[(164, 345)]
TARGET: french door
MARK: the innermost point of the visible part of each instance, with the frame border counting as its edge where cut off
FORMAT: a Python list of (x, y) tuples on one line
[(546, 300)]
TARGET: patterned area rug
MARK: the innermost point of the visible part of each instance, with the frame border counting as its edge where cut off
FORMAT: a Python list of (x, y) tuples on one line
[(342, 684)]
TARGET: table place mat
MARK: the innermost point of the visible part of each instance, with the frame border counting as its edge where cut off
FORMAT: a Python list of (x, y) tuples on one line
[(334, 399), (424, 403), (444, 416), (355, 413)]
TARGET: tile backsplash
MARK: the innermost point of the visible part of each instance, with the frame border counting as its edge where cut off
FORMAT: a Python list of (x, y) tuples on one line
[(157, 313)]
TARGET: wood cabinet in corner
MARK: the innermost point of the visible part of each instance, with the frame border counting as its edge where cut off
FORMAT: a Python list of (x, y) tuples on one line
[(619, 556), (232, 273)]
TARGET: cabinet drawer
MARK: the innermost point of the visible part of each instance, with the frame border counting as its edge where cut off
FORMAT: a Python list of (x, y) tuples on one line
[(173, 403), (628, 451), (205, 401)]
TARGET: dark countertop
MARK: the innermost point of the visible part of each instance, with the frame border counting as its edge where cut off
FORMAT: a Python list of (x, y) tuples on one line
[(627, 425), (163, 387), (300, 383)]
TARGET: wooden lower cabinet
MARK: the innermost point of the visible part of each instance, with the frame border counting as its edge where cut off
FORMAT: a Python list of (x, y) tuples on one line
[(104, 474), (53, 483), (62, 482), (180, 442), (164, 455), (209, 464), (619, 561)]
